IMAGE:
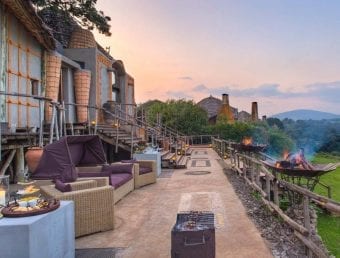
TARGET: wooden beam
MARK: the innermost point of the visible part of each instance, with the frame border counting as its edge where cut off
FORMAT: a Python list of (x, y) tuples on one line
[(313, 247), (7, 162), (288, 220), (308, 193)]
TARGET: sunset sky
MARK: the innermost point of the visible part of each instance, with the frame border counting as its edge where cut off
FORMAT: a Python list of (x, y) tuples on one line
[(284, 54)]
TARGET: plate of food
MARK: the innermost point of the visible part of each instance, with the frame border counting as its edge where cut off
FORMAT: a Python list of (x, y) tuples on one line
[(40, 206), (29, 190)]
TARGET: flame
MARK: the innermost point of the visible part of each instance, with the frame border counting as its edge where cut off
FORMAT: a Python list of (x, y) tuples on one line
[(296, 160), (247, 141), (285, 154)]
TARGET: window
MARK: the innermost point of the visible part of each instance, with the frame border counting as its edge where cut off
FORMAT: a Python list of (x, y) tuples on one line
[(35, 87)]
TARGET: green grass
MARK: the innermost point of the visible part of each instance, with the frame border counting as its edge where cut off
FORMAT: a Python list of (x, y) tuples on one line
[(329, 226), (331, 179), (329, 230)]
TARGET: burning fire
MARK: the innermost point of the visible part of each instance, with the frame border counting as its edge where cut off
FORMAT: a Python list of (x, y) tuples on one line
[(294, 160), (247, 141), (285, 154)]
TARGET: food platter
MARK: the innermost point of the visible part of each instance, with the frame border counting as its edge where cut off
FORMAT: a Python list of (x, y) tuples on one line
[(43, 206), (28, 191)]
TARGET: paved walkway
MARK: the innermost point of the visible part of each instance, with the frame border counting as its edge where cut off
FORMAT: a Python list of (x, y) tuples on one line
[(145, 217)]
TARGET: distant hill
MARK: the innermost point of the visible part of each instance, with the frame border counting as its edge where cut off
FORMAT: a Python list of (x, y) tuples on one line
[(306, 114)]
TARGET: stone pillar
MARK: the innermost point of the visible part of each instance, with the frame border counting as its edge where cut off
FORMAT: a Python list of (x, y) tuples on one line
[(225, 109), (82, 82), (254, 112), (53, 66)]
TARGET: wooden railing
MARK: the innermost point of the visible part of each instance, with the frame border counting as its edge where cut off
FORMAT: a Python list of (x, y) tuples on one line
[(270, 188)]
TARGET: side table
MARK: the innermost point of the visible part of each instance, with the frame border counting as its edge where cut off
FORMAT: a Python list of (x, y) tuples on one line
[(46, 235)]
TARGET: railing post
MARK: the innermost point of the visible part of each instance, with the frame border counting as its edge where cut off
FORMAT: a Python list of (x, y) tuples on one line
[(257, 173), (276, 192), (64, 118), (252, 171), (96, 121), (268, 187), (56, 123), (117, 131), (41, 129), (52, 124), (60, 121), (307, 221), (131, 141)]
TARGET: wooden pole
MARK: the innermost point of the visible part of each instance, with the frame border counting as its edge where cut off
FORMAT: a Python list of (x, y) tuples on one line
[(313, 247), (7, 162), (276, 192), (288, 220), (41, 129), (52, 124), (307, 221), (56, 123), (268, 188), (131, 148), (20, 164)]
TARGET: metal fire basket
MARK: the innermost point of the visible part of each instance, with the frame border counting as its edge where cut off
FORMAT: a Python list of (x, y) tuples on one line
[(193, 235)]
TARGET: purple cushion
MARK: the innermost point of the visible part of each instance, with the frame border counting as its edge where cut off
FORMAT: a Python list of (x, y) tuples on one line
[(62, 187), (144, 170), (94, 174), (118, 179), (128, 161), (118, 168)]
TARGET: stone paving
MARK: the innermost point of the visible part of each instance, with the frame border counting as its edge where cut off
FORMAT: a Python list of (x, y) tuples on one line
[(144, 218)]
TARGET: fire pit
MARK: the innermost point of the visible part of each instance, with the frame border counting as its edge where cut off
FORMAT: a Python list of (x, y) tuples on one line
[(295, 168), (193, 235), (295, 164), (247, 145)]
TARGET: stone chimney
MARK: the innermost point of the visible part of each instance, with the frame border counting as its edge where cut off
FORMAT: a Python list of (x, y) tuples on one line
[(254, 112), (225, 99), (225, 109)]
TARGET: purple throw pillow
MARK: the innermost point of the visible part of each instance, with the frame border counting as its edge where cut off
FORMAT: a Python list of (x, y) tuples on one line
[(62, 187), (118, 168)]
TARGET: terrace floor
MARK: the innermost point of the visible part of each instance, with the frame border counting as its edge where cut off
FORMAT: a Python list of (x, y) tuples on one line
[(144, 218)]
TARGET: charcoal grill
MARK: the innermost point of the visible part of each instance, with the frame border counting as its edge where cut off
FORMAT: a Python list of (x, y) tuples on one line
[(193, 235)]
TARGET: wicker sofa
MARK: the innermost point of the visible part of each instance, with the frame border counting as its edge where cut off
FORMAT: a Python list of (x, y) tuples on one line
[(145, 173), (120, 177), (94, 205)]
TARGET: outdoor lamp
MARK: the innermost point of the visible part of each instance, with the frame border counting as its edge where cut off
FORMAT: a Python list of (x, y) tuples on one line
[(4, 189)]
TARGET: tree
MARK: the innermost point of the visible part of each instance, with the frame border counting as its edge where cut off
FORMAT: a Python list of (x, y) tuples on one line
[(182, 115), (273, 121), (83, 12), (279, 142)]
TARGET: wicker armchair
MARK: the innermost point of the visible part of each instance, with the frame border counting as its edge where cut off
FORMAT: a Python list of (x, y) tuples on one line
[(147, 178), (94, 206)]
